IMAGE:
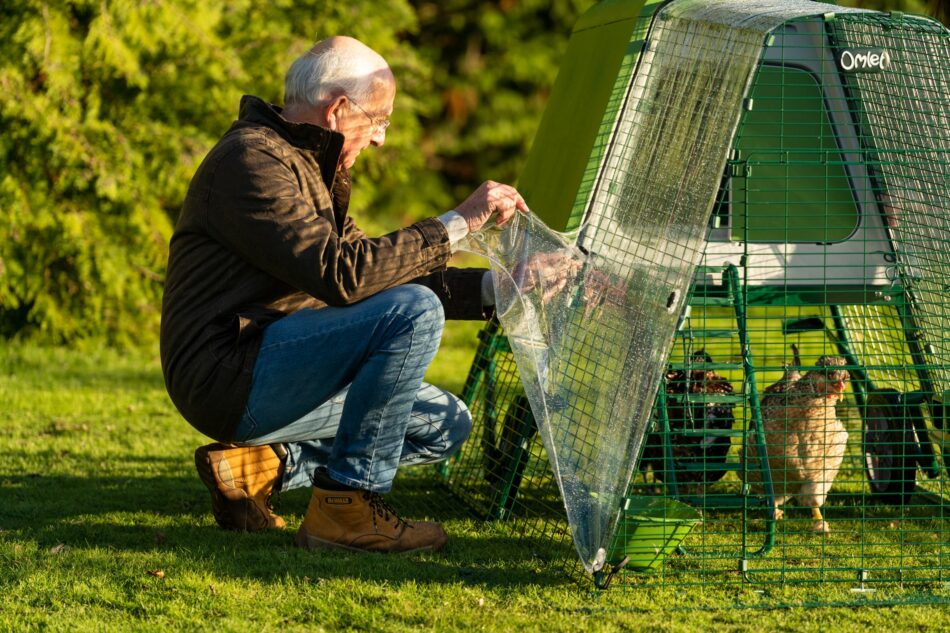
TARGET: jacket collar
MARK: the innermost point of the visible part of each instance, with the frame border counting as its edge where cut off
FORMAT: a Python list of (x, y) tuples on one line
[(327, 144)]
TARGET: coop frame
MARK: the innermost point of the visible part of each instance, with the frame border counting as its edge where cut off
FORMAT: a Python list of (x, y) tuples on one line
[(735, 277)]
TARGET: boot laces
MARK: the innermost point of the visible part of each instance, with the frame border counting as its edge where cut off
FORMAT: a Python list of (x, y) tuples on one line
[(383, 509)]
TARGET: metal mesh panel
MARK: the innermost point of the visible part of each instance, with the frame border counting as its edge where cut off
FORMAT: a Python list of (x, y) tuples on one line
[(905, 123), (591, 359), (826, 251)]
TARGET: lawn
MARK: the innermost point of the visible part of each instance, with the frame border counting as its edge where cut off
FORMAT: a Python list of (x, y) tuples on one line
[(104, 525)]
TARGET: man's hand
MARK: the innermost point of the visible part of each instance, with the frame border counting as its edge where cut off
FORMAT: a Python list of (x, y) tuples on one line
[(551, 271), (599, 288), (491, 198)]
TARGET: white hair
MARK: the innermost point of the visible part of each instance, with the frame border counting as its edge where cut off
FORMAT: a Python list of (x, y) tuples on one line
[(317, 77)]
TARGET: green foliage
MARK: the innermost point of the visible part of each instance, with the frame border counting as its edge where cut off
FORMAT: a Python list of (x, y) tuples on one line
[(107, 107), (908, 6), (493, 66), (938, 9)]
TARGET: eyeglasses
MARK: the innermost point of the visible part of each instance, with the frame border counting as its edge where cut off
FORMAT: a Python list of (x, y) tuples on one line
[(380, 123)]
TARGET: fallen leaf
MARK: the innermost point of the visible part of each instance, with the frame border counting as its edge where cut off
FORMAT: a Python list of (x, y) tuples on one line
[(58, 549), (158, 573), (481, 602), (214, 591)]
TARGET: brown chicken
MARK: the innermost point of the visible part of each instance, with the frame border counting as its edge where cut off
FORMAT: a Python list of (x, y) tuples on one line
[(804, 439)]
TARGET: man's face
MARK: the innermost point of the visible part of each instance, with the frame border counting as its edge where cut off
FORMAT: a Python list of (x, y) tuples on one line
[(364, 127)]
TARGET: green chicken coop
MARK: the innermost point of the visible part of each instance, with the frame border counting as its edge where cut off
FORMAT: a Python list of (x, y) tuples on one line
[(775, 177)]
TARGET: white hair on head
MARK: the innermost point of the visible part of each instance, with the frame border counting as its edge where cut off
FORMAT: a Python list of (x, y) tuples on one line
[(320, 76)]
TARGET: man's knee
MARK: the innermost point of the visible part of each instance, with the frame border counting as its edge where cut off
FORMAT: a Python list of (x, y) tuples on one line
[(459, 428), (419, 304)]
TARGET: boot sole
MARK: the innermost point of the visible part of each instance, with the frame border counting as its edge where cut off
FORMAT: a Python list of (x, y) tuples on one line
[(306, 541), (224, 508)]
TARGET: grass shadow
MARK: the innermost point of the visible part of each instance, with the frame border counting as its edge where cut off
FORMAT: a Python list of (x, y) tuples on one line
[(168, 518)]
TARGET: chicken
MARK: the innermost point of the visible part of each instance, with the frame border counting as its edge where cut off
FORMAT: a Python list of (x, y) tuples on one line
[(709, 451), (805, 442), (790, 376)]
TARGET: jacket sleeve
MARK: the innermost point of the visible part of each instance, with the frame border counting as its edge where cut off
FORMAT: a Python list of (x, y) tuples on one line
[(460, 291), (351, 231), (257, 208)]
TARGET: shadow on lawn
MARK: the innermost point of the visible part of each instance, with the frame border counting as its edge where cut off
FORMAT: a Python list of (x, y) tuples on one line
[(168, 517)]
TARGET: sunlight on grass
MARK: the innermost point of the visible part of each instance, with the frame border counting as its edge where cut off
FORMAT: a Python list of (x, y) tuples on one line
[(105, 526)]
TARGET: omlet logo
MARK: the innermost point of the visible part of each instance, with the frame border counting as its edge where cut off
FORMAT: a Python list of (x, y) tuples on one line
[(864, 60)]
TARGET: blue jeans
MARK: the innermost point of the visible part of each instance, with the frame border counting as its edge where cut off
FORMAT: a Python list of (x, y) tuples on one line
[(342, 388)]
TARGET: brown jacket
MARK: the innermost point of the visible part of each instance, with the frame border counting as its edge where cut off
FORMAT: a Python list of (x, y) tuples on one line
[(264, 232)]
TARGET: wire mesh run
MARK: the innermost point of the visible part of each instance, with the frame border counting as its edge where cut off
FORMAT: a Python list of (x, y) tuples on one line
[(799, 434)]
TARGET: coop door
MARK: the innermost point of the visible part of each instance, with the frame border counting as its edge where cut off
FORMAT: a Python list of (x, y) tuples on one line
[(792, 185)]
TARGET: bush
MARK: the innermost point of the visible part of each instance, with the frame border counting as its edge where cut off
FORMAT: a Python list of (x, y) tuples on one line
[(108, 107)]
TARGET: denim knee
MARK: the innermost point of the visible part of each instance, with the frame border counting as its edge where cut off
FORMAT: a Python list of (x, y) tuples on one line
[(458, 429), (419, 304)]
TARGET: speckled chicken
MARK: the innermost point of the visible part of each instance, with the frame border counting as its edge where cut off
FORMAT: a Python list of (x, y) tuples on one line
[(709, 451), (804, 439), (790, 376)]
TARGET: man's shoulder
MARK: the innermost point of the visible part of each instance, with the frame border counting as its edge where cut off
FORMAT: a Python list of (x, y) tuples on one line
[(250, 149), (244, 154), (245, 138)]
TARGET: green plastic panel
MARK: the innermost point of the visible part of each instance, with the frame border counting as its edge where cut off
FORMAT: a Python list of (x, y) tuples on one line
[(796, 189), (570, 143)]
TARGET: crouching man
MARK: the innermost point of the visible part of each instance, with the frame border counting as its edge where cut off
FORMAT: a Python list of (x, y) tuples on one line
[(297, 341)]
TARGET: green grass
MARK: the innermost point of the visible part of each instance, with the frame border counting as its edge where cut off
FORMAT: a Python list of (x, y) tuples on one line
[(104, 525)]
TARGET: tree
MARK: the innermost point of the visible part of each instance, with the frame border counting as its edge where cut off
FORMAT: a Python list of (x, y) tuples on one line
[(107, 108), (494, 64)]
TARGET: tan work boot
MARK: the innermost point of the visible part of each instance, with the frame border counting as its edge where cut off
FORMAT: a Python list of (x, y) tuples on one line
[(359, 520), (241, 480)]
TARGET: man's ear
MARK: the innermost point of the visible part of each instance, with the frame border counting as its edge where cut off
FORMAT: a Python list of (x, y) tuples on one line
[(333, 111)]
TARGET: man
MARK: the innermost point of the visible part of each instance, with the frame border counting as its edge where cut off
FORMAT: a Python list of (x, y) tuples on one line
[(291, 334)]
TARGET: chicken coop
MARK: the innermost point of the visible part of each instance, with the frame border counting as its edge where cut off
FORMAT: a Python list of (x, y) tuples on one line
[(749, 381)]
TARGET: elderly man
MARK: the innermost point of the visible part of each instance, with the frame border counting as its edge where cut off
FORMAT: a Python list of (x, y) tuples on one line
[(296, 340)]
